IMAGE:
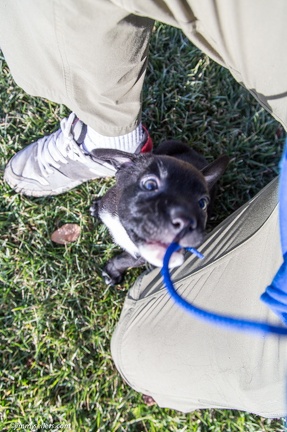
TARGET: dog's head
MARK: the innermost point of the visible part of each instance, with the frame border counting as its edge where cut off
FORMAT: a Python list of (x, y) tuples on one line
[(161, 199)]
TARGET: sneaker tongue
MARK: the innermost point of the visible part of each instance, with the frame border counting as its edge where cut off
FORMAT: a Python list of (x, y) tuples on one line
[(148, 144), (79, 130)]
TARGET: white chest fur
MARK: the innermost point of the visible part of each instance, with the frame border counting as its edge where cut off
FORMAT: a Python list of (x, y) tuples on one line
[(119, 233), (153, 253)]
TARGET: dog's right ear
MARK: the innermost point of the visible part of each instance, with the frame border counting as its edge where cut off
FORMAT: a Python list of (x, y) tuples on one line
[(214, 170), (116, 158)]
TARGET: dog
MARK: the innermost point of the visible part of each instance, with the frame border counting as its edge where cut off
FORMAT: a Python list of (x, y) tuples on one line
[(158, 198)]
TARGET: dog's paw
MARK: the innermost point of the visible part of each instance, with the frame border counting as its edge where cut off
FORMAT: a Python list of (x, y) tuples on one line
[(115, 268), (94, 209), (111, 277)]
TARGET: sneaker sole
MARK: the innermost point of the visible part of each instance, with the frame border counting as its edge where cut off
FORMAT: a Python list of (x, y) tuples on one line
[(17, 184)]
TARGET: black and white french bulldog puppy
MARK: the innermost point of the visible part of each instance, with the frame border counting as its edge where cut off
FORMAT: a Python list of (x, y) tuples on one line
[(158, 198)]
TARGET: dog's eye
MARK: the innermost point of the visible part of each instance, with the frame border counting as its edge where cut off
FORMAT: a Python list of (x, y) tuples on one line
[(203, 203), (150, 184)]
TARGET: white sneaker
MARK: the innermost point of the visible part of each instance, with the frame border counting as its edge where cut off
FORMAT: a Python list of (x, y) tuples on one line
[(56, 163)]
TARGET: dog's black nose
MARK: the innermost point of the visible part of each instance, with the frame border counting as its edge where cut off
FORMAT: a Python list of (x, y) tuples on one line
[(181, 220)]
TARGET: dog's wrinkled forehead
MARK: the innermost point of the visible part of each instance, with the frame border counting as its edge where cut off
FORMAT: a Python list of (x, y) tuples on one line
[(158, 168), (176, 171), (159, 165)]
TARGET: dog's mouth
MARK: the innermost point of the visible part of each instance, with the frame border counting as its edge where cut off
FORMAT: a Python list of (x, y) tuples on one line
[(153, 250), (154, 253)]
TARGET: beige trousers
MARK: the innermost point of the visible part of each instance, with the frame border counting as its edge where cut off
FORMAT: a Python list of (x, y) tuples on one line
[(91, 55), (186, 364)]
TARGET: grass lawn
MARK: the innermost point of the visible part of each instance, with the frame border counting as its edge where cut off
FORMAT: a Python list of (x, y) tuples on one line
[(57, 316)]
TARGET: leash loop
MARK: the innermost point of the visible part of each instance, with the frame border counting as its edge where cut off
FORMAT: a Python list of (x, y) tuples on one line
[(226, 321)]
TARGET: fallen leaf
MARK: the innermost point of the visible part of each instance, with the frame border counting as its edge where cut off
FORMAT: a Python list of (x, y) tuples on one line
[(66, 234)]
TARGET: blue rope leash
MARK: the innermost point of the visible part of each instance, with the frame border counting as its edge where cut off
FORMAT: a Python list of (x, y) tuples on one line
[(275, 295), (211, 317)]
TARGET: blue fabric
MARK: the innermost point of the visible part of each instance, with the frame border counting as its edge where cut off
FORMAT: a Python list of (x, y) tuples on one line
[(275, 295)]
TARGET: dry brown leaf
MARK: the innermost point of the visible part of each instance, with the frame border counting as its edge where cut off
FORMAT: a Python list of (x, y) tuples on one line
[(66, 234)]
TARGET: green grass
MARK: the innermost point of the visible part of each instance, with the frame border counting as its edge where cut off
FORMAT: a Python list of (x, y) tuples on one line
[(57, 316)]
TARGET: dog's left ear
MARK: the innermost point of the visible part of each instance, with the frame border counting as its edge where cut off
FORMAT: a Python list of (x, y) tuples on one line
[(213, 171), (116, 158)]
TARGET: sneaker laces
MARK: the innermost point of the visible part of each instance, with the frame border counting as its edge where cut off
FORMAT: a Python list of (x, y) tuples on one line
[(61, 146)]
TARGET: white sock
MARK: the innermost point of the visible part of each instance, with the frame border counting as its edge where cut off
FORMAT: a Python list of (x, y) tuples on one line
[(128, 142)]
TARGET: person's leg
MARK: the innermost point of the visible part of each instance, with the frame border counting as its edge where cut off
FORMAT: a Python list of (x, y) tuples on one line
[(186, 364), (246, 37), (89, 55)]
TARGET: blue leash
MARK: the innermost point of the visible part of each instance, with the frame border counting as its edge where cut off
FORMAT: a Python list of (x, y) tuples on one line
[(275, 295), (214, 318)]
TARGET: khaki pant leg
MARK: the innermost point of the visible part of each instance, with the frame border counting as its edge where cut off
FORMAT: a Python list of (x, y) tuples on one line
[(87, 54), (187, 364), (247, 37), (91, 54)]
